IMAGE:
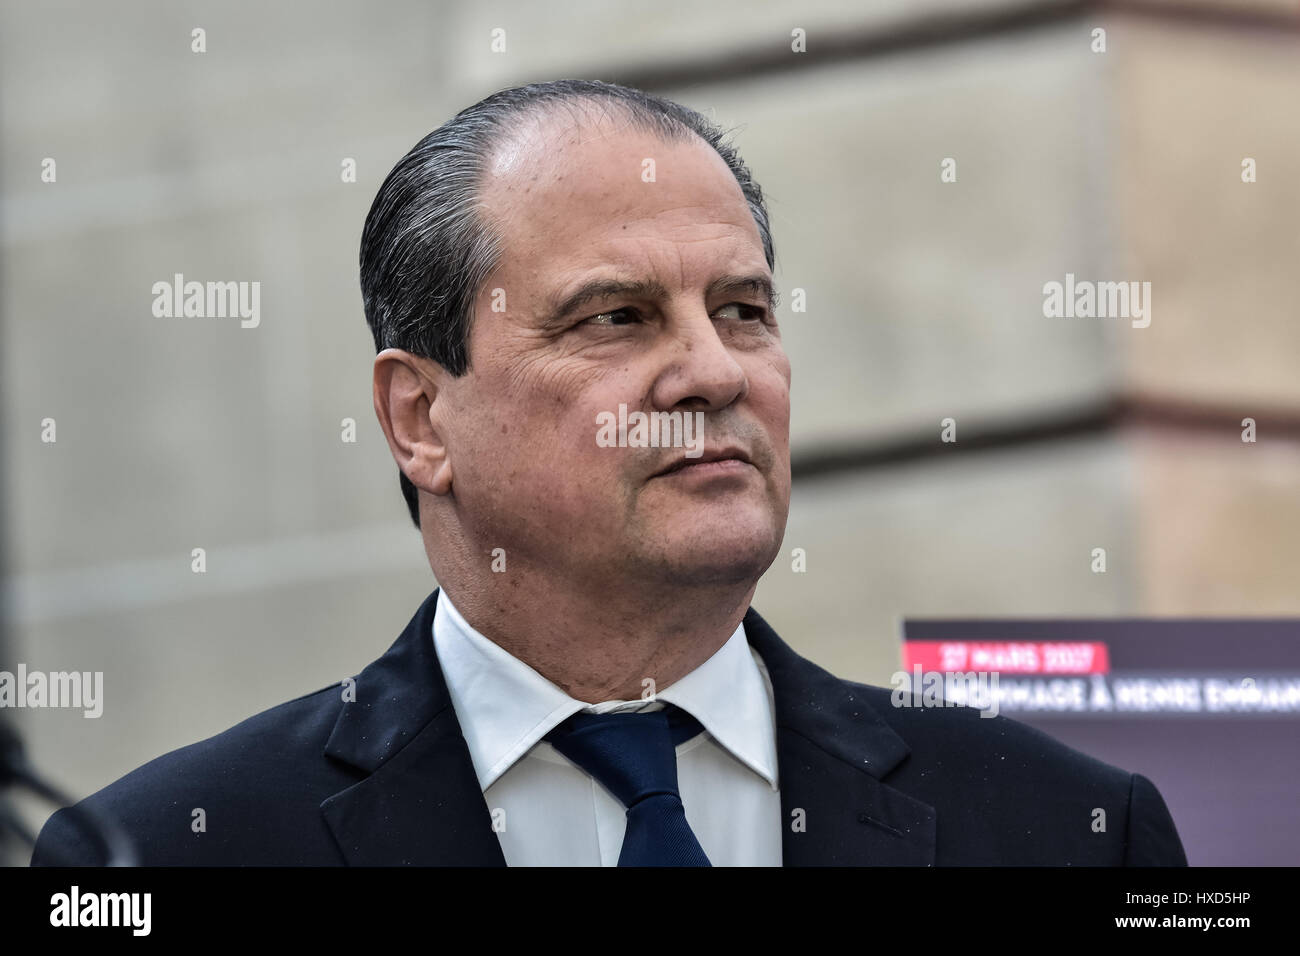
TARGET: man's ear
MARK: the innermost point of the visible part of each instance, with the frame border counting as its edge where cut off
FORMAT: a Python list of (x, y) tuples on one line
[(409, 404)]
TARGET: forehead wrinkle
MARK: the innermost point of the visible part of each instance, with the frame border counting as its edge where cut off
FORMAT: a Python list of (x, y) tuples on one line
[(534, 160)]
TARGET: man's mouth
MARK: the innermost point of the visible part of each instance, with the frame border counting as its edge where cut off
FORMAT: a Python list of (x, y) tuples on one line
[(717, 460)]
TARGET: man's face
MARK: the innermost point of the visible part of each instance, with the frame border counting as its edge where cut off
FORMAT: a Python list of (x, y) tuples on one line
[(523, 426)]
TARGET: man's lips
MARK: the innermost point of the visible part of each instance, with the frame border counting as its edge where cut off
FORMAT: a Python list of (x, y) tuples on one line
[(714, 455)]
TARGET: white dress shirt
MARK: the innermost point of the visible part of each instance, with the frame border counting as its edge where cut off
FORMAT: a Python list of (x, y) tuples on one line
[(549, 812)]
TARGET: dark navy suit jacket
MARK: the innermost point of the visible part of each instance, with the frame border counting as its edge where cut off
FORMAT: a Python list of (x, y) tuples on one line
[(386, 779)]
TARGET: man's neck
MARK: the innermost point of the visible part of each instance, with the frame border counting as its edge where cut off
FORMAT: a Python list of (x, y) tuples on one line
[(601, 642)]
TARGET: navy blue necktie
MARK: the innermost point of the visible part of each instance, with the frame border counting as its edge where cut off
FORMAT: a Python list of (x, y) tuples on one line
[(634, 757)]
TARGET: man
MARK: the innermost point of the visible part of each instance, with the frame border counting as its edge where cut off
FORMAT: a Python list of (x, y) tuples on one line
[(590, 685)]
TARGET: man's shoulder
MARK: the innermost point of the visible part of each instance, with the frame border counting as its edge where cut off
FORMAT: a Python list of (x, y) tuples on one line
[(1017, 794), (998, 745), (217, 800)]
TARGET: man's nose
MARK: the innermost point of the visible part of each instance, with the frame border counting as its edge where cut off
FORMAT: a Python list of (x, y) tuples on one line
[(700, 370)]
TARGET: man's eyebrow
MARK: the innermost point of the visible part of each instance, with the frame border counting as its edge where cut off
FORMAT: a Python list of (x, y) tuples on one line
[(606, 289), (596, 289), (759, 285)]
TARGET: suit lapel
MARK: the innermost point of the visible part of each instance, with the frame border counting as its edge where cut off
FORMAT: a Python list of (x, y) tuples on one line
[(832, 752), (420, 803)]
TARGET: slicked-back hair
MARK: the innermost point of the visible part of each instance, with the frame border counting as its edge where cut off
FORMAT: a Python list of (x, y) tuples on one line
[(426, 248)]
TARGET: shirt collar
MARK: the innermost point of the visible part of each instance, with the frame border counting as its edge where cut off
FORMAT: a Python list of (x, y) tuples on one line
[(505, 707)]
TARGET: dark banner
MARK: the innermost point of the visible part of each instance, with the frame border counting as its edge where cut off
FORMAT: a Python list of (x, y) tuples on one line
[(1209, 710)]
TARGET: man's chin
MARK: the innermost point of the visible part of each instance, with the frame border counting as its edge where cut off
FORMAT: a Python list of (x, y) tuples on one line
[(722, 554)]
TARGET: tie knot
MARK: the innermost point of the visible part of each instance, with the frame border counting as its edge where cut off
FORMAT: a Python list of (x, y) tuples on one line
[(632, 755)]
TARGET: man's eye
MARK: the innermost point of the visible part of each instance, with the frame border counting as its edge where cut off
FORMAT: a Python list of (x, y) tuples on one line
[(747, 312), (627, 316), (610, 318)]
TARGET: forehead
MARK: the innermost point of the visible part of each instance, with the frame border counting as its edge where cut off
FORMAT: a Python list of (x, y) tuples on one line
[(569, 194)]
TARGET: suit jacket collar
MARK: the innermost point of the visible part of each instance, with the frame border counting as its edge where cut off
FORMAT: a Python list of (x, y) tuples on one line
[(419, 801), (833, 750)]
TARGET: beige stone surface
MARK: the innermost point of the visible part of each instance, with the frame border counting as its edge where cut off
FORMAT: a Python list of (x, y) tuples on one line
[(1190, 103), (599, 38), (1218, 525)]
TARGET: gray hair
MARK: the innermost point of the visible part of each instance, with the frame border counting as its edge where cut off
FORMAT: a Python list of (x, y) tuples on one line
[(426, 250)]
